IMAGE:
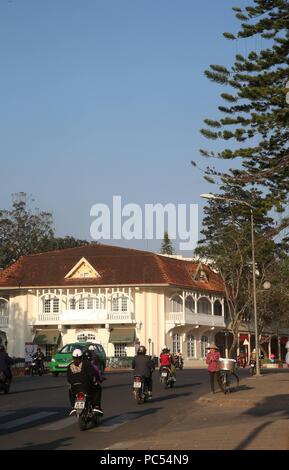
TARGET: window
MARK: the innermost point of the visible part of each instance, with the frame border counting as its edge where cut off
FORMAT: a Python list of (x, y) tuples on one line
[(115, 304), (50, 350), (190, 305), (3, 307), (177, 304), (46, 305), (218, 308), (55, 305), (81, 304), (89, 303), (72, 304), (86, 336), (119, 350), (204, 345), (204, 306), (124, 304), (97, 303), (191, 346), (176, 343)]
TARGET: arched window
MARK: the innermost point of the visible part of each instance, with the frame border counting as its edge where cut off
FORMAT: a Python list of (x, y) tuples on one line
[(3, 307), (86, 336), (204, 345), (204, 306), (191, 345), (190, 304), (218, 308), (176, 343), (176, 304), (50, 305), (119, 303)]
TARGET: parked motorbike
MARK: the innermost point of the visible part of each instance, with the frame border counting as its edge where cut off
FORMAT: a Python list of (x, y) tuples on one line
[(36, 367), (166, 377), (140, 389), (4, 383), (83, 406), (179, 362)]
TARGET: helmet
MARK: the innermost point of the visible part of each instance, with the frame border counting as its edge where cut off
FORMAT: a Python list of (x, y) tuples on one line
[(77, 353), (91, 347), (142, 350)]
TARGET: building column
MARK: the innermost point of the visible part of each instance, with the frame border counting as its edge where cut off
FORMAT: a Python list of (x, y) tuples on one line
[(269, 346), (226, 346), (238, 345)]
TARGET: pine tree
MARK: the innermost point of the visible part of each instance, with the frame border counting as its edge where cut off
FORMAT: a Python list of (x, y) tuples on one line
[(167, 246), (255, 116)]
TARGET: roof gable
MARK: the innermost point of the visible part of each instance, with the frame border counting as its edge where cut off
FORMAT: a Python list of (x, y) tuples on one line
[(82, 269)]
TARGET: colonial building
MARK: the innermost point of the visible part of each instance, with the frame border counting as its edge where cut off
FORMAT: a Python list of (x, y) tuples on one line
[(116, 296)]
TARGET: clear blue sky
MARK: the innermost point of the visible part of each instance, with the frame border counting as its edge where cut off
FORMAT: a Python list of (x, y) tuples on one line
[(103, 98)]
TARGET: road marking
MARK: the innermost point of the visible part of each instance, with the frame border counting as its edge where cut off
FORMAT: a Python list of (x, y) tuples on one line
[(112, 423), (61, 424), (28, 419)]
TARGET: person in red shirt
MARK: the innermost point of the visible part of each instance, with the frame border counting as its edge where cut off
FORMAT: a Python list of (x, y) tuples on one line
[(212, 360), (167, 360)]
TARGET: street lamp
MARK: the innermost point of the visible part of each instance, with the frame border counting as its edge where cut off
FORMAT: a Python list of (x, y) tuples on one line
[(213, 196)]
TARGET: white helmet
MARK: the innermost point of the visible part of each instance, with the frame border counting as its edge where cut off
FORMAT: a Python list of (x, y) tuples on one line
[(77, 353)]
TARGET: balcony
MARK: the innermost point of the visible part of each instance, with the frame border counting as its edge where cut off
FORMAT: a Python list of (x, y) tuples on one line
[(179, 318), (85, 317)]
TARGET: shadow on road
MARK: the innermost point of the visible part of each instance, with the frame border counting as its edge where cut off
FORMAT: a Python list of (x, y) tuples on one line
[(53, 445), (272, 405), (170, 397), (187, 385), (28, 390)]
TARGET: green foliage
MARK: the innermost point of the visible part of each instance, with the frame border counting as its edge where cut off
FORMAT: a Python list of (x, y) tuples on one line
[(258, 102), (167, 246), (26, 230)]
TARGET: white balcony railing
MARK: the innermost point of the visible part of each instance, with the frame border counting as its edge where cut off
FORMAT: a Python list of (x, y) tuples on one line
[(90, 316), (4, 321), (49, 317), (191, 318)]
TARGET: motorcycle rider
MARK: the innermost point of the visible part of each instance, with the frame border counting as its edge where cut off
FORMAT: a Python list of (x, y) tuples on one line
[(5, 363), (81, 372), (91, 356), (167, 360), (144, 367), (38, 357)]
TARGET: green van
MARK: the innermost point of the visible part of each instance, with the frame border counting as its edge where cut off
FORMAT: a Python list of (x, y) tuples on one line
[(61, 360)]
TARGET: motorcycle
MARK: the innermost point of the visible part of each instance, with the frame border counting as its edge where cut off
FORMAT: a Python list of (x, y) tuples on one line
[(179, 362), (166, 377), (252, 366), (36, 367), (83, 406), (4, 383), (140, 389)]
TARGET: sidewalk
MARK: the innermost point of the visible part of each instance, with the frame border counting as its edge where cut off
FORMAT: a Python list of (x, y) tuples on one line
[(253, 418)]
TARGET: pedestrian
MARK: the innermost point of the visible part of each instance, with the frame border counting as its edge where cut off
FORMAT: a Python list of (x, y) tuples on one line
[(287, 358), (212, 360)]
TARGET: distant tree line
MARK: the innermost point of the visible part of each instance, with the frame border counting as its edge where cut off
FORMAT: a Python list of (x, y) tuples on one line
[(26, 230)]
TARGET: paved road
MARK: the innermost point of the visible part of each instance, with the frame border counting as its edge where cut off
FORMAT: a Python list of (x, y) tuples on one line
[(34, 414)]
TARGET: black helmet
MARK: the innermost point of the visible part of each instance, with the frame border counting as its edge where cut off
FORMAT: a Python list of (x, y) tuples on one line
[(142, 350)]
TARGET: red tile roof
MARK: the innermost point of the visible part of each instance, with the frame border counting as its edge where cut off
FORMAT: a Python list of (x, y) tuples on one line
[(116, 266)]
